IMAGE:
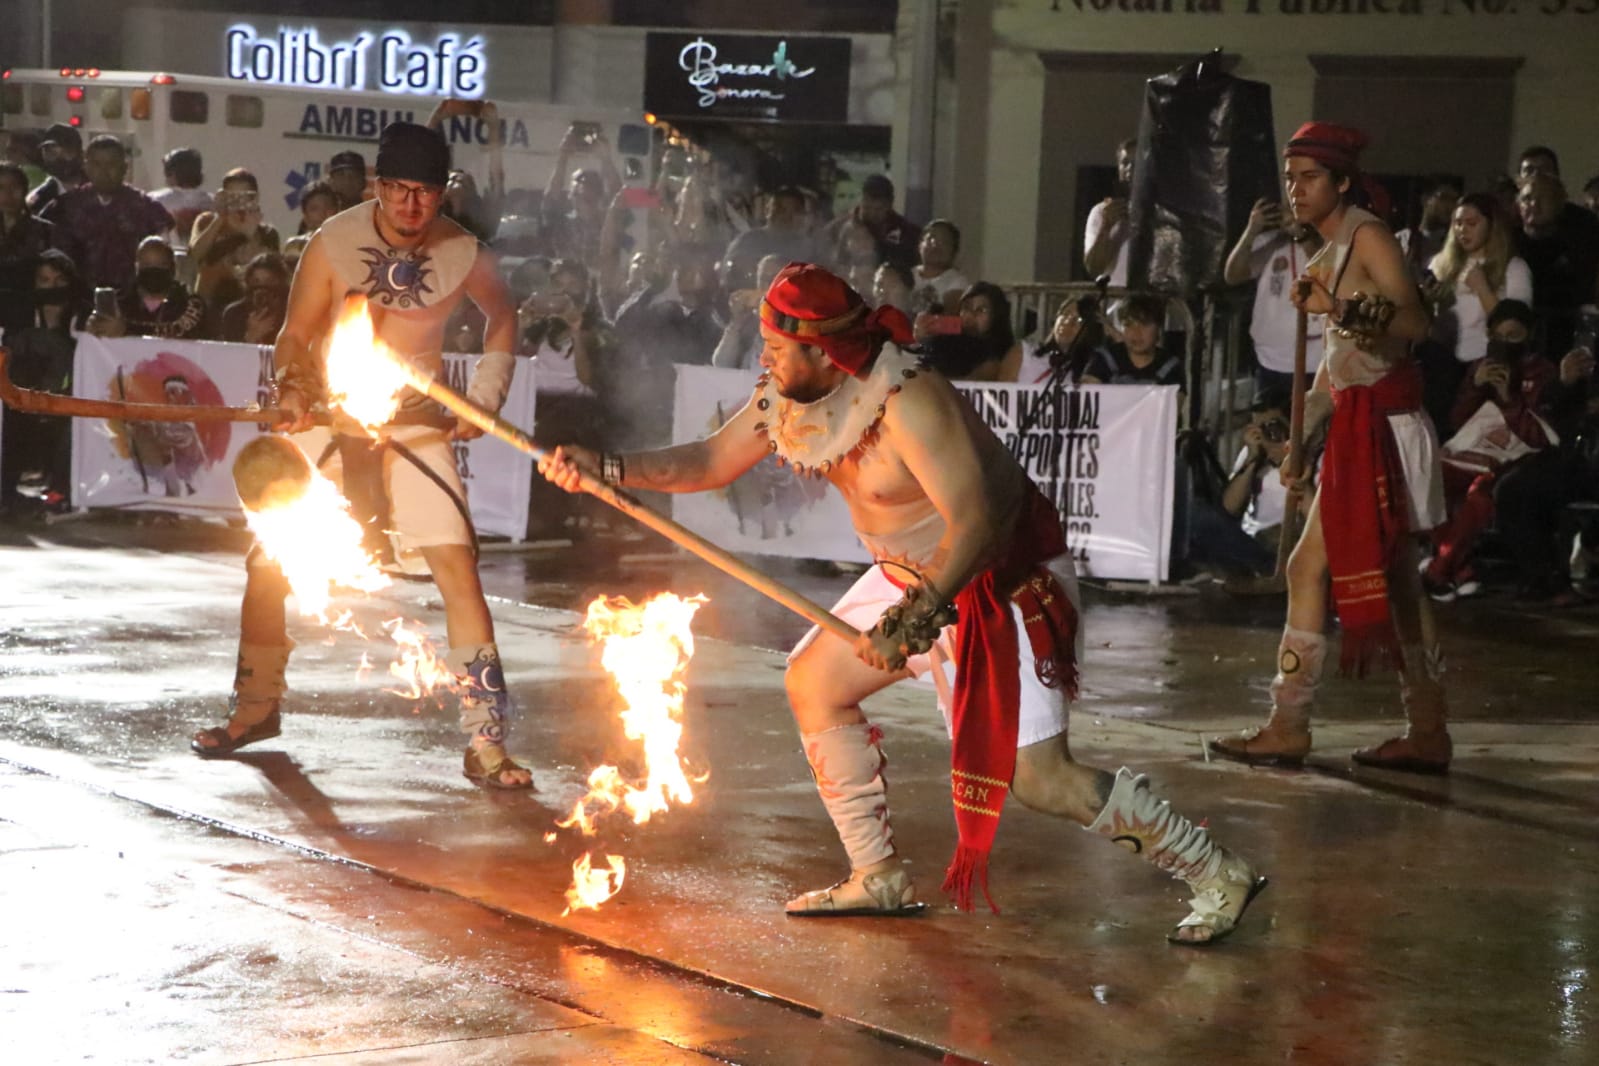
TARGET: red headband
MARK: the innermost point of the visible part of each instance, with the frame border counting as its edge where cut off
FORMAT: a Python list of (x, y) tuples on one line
[(1336, 147), (815, 306)]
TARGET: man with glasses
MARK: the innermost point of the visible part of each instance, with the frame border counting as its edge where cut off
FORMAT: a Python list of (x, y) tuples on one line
[(413, 268)]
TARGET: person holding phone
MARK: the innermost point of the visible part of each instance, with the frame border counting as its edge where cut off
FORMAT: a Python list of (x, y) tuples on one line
[(1275, 252), (226, 239), (257, 317), (575, 200), (156, 304), (476, 209)]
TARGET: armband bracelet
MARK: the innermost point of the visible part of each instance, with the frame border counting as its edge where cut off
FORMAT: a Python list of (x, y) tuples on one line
[(298, 377), (917, 619), (1363, 317), (611, 469)]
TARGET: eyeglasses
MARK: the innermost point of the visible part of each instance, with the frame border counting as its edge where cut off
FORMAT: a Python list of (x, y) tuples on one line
[(395, 192)]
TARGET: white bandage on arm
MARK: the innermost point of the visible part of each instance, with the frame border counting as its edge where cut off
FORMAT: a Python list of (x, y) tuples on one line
[(491, 380)]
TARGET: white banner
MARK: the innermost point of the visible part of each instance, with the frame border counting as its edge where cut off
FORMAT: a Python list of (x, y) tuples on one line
[(1105, 454), (188, 468)]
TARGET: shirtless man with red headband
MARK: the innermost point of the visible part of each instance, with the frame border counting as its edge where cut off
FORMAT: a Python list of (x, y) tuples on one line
[(958, 532), (1381, 484)]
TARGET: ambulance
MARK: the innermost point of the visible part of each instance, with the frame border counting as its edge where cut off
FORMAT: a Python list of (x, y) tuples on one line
[(286, 134)]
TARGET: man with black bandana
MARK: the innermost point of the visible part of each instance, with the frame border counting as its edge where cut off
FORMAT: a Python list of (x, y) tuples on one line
[(413, 268)]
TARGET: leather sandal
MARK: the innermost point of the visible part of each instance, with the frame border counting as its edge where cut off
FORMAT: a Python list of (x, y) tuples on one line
[(487, 766), (223, 743), (884, 895), (1253, 748), (1219, 906), (1399, 753)]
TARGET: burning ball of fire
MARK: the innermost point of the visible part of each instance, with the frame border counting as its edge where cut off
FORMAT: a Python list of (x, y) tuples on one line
[(646, 648), (270, 472)]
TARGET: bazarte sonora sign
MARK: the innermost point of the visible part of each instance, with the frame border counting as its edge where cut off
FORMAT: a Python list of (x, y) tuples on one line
[(747, 77)]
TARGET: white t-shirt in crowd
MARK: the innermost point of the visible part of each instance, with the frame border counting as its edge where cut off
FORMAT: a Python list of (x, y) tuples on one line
[(555, 370), (1464, 324), (1266, 507), (951, 280), (1118, 234), (1035, 368), (1277, 261), (184, 205)]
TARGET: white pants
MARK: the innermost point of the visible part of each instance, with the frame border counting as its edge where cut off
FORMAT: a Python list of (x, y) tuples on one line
[(1043, 710), (421, 513)]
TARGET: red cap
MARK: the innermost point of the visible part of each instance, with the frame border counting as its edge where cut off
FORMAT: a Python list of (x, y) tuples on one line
[(1335, 147), (815, 306)]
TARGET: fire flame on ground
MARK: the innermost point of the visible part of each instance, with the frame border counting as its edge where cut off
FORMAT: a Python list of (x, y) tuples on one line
[(646, 648)]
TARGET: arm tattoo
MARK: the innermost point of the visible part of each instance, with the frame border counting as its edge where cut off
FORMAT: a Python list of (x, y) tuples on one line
[(680, 468)]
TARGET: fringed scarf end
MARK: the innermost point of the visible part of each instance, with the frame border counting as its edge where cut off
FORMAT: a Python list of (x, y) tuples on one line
[(969, 868)]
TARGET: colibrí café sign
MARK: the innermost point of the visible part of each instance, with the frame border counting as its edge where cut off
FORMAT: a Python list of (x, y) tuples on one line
[(388, 60), (747, 77)]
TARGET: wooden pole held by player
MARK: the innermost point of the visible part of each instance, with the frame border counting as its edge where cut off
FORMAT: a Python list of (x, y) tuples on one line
[(1294, 464), (497, 427)]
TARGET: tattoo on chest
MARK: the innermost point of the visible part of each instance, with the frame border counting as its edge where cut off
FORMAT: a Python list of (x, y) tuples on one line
[(395, 277)]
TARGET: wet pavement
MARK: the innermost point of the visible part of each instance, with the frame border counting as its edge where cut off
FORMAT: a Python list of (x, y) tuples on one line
[(341, 894)]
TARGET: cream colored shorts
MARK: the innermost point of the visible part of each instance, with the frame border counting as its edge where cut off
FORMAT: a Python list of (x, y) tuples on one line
[(422, 514), (1043, 710)]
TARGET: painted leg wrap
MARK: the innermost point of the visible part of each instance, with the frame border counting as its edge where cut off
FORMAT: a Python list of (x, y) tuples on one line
[(1285, 738), (848, 764), (1425, 747), (1300, 658), (485, 701), (1223, 883), (259, 676), (1134, 818), (1421, 687)]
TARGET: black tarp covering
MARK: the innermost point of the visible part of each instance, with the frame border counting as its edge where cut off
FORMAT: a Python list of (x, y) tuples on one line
[(1206, 153)]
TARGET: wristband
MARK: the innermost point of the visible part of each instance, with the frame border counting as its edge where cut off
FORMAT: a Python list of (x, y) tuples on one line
[(612, 469)]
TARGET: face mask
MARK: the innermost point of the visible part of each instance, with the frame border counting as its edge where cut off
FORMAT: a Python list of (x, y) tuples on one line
[(1506, 351), (56, 297), (154, 279)]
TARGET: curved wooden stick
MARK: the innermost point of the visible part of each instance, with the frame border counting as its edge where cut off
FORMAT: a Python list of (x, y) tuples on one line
[(35, 402), (725, 561), (51, 403)]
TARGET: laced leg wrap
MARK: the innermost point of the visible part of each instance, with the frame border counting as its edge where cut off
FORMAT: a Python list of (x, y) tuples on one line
[(848, 764), (1134, 818), (485, 700)]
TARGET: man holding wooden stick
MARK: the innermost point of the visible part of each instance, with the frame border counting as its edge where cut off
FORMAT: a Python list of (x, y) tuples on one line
[(1380, 482), (413, 269), (971, 570)]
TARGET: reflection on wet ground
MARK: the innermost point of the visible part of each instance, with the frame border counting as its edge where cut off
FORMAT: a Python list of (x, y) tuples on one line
[(342, 892)]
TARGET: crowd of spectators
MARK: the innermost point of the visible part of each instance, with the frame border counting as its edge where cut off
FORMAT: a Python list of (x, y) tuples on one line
[(617, 284)]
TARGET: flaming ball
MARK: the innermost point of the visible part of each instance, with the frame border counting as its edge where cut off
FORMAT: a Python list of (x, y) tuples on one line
[(270, 472)]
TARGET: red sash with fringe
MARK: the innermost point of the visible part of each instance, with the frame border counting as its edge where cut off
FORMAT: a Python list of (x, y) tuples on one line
[(1365, 513), (987, 699)]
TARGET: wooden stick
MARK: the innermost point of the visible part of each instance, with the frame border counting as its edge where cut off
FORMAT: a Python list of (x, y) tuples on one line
[(35, 402), (1293, 465), (497, 427), (50, 403)]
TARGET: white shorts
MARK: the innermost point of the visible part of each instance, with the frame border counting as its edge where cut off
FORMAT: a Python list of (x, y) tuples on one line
[(1043, 710), (421, 512), (1417, 442)]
